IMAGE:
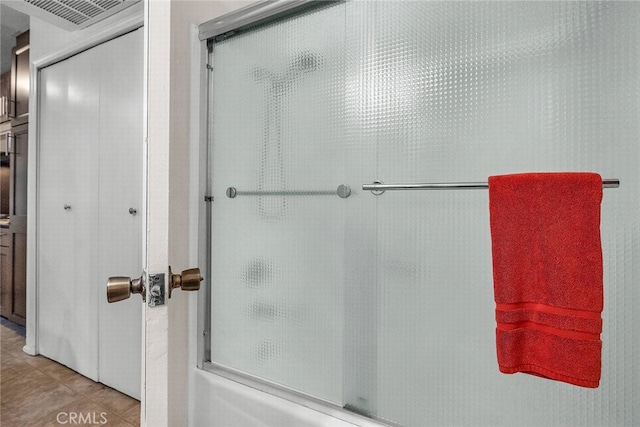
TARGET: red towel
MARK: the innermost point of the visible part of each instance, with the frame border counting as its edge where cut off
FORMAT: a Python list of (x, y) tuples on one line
[(547, 274)]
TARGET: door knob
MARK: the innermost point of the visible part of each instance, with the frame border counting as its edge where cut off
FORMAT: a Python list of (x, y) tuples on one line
[(188, 280), (119, 288)]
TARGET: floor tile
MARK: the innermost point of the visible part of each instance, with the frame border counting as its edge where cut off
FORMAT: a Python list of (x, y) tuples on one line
[(35, 391), (36, 406), (58, 371), (133, 415), (8, 362), (38, 361), (18, 385), (35, 361), (114, 400), (13, 345), (83, 385), (13, 368)]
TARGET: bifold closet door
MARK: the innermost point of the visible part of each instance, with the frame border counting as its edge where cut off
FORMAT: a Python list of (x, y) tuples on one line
[(67, 203), (89, 224), (120, 203)]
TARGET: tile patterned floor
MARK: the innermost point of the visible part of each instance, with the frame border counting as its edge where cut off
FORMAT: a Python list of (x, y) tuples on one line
[(36, 391)]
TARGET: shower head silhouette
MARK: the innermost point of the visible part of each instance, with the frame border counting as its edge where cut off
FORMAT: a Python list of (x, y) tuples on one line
[(304, 62)]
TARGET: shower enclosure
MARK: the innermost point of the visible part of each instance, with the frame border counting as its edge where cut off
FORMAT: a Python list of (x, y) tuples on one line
[(382, 304)]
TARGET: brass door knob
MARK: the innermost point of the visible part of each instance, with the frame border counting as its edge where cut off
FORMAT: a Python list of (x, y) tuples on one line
[(120, 288), (188, 280)]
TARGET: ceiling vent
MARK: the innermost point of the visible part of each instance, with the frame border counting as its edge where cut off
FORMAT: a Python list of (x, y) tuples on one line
[(71, 14)]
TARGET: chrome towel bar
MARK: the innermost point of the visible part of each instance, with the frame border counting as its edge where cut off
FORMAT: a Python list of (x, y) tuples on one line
[(379, 187), (343, 191)]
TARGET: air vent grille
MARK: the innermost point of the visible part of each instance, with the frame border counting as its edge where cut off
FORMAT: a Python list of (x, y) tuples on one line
[(86, 8), (81, 13)]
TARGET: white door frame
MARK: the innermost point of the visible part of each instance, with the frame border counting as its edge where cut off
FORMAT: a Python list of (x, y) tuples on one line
[(157, 116), (175, 124)]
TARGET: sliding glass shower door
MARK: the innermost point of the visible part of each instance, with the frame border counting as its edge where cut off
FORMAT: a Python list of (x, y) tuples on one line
[(383, 303), (278, 157)]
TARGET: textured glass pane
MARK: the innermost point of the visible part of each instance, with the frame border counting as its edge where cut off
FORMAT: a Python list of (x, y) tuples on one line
[(384, 304), (458, 91), (277, 261)]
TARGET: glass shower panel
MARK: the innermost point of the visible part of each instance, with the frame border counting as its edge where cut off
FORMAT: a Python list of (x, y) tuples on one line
[(278, 253), (460, 91), (384, 304)]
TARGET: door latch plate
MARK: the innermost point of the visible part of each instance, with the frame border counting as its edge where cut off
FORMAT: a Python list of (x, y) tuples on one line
[(155, 293)]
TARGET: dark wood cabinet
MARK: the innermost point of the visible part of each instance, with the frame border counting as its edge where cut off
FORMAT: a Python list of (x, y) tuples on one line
[(14, 106), (13, 256), (20, 81), (5, 97), (6, 271), (13, 250)]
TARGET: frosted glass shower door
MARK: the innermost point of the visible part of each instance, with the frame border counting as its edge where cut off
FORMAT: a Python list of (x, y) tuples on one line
[(383, 304), (461, 91), (279, 172)]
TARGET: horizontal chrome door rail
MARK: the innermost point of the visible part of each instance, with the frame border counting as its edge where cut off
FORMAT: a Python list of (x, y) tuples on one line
[(343, 191), (378, 187)]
